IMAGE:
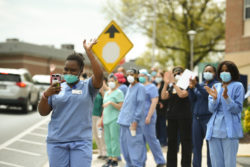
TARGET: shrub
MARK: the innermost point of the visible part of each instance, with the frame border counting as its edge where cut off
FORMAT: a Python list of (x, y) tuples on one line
[(247, 120)]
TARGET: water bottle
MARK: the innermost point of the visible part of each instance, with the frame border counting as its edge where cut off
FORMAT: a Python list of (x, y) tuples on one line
[(99, 133)]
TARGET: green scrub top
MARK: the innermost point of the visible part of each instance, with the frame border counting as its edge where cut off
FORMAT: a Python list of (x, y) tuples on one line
[(110, 113), (97, 110)]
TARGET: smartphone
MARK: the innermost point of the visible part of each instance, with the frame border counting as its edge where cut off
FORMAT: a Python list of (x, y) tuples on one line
[(56, 78)]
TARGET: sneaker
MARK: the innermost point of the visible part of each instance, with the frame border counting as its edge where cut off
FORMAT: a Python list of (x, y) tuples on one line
[(109, 162), (114, 163)]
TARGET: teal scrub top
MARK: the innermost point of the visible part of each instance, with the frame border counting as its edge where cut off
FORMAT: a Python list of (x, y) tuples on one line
[(71, 118), (110, 113), (97, 110)]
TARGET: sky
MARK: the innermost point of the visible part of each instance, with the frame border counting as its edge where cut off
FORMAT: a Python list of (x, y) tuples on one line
[(56, 22)]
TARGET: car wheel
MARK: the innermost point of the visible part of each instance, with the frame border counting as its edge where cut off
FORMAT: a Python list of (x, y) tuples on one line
[(34, 106), (27, 106)]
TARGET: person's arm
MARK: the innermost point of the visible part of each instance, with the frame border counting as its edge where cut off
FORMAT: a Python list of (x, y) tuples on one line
[(140, 103), (151, 111), (164, 92), (43, 107), (118, 106), (212, 98), (181, 93), (97, 78), (234, 104)]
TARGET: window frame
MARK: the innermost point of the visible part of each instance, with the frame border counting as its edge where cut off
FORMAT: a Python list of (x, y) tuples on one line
[(244, 11)]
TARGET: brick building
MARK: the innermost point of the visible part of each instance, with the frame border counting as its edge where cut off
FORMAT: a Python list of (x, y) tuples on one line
[(35, 58), (238, 34)]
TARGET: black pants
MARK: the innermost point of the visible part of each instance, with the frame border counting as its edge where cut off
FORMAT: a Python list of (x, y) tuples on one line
[(184, 126)]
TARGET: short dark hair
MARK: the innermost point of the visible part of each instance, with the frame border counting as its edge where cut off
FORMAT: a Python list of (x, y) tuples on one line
[(178, 69), (210, 65), (232, 68), (78, 57), (112, 76)]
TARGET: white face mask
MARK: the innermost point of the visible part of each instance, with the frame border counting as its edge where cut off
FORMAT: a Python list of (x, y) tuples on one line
[(131, 79), (177, 77), (112, 85), (158, 79)]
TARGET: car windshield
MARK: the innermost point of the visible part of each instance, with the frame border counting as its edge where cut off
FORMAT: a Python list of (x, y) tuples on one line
[(9, 77)]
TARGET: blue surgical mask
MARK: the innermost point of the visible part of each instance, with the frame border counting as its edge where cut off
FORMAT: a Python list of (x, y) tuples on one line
[(70, 78), (208, 76), (225, 76), (142, 79), (153, 73)]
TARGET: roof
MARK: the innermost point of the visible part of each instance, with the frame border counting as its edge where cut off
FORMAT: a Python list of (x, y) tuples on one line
[(13, 71), (16, 47)]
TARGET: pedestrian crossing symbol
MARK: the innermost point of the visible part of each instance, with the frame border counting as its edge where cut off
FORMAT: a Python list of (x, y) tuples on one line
[(112, 46)]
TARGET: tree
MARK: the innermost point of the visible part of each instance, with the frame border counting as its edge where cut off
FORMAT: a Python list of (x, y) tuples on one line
[(174, 18)]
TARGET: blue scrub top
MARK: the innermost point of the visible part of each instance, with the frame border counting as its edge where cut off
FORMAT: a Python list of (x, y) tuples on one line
[(133, 108), (151, 92), (219, 128), (231, 108), (71, 117), (123, 88), (198, 97)]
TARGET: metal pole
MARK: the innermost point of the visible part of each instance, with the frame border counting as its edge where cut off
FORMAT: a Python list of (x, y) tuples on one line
[(191, 54), (154, 33)]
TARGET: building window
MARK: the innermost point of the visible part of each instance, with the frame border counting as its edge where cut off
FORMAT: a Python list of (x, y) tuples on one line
[(247, 9)]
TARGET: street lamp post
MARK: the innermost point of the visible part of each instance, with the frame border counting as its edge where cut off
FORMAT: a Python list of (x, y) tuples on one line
[(191, 34)]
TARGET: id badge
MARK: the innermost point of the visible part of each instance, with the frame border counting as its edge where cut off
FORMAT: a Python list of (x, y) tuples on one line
[(76, 92)]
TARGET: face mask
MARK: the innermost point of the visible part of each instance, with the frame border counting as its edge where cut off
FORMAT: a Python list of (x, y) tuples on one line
[(111, 85), (158, 79), (70, 78), (208, 76), (177, 77), (131, 79), (225, 76), (153, 73), (142, 79)]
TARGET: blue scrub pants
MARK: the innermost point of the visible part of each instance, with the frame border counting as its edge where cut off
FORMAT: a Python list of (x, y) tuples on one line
[(70, 154), (199, 128), (153, 142), (223, 152), (132, 147)]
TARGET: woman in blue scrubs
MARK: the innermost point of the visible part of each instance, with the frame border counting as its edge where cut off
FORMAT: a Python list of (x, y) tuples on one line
[(131, 120), (69, 141), (150, 118), (199, 100), (224, 128)]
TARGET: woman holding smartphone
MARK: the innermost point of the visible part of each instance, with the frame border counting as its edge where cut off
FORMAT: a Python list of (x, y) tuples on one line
[(69, 141)]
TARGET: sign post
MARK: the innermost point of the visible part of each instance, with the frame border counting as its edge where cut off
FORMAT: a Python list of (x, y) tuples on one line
[(112, 46)]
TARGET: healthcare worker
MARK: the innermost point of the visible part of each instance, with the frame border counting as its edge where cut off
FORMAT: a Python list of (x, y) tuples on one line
[(121, 82), (199, 99), (69, 141), (224, 128), (112, 103), (150, 118), (131, 120), (179, 119)]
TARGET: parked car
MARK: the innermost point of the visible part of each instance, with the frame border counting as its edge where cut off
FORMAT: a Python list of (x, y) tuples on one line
[(17, 89), (42, 82)]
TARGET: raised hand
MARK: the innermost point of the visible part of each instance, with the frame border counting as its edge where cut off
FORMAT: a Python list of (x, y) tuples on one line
[(88, 45), (192, 83), (224, 94), (212, 92), (167, 76)]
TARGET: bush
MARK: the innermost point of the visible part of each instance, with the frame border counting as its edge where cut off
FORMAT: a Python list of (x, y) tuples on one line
[(246, 126)]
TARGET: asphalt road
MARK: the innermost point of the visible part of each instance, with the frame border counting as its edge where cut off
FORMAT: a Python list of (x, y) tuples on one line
[(22, 139)]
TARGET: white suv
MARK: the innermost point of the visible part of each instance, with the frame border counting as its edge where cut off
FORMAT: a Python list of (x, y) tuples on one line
[(17, 89)]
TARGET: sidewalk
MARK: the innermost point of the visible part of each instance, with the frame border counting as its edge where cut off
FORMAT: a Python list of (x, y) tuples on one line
[(244, 151)]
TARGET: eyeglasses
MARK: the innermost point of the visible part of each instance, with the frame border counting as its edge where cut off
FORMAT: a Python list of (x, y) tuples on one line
[(177, 74)]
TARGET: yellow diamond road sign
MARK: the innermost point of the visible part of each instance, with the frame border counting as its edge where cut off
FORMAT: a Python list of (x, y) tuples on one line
[(112, 46)]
